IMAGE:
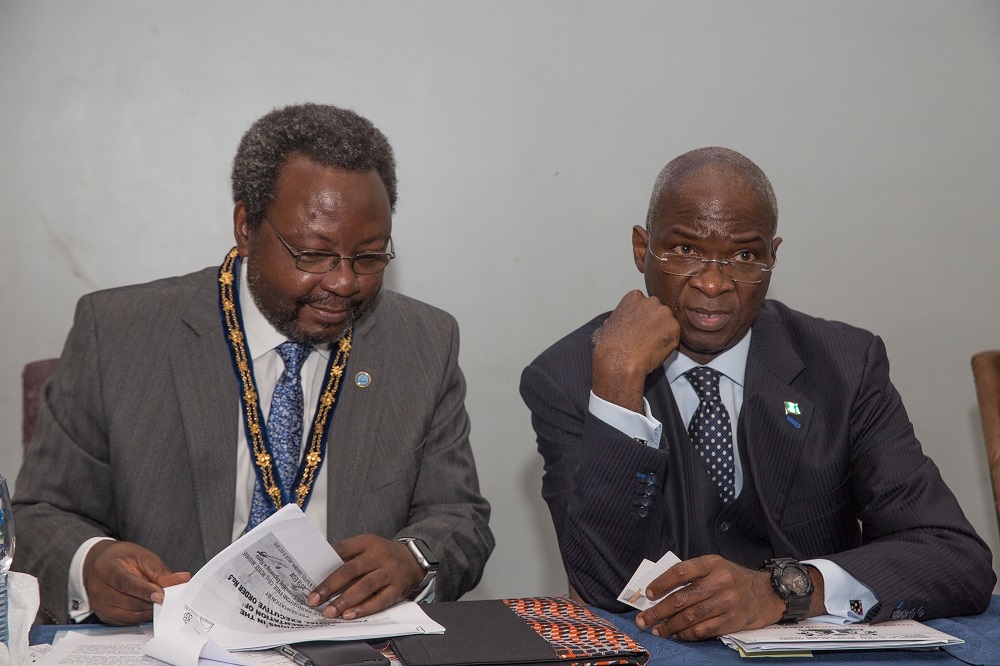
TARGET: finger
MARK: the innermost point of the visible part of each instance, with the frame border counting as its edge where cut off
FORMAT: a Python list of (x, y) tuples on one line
[(127, 612), (712, 627), (128, 583), (371, 593), (113, 607), (336, 582), (352, 547), (674, 604), (683, 573), (125, 618), (382, 599), (169, 580)]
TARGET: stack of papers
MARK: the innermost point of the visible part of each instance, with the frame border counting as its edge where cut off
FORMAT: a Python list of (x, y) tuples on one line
[(252, 595), (810, 636)]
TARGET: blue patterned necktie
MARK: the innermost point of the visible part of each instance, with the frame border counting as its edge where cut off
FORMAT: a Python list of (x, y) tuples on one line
[(284, 429), (711, 431)]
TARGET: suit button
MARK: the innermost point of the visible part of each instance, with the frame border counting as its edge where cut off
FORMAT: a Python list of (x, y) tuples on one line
[(643, 512), (920, 612), (895, 614), (724, 526), (651, 479), (645, 501)]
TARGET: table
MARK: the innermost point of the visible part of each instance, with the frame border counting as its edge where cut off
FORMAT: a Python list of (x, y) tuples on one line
[(980, 632)]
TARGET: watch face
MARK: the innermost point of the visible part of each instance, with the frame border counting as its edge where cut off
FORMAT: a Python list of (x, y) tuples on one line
[(796, 580)]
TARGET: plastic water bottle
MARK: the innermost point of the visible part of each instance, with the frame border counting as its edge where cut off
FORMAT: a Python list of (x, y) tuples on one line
[(6, 556)]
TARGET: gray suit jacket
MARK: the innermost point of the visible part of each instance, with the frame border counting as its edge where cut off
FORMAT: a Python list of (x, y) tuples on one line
[(137, 436)]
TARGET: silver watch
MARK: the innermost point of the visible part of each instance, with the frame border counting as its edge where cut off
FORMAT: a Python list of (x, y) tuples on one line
[(424, 556)]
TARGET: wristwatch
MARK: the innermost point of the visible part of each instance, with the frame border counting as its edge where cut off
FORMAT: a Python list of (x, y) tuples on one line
[(424, 556), (792, 583)]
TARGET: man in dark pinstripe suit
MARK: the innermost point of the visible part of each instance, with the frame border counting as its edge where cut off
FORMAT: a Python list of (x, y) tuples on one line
[(816, 500)]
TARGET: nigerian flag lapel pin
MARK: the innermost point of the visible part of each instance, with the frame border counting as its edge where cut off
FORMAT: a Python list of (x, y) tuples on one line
[(792, 408)]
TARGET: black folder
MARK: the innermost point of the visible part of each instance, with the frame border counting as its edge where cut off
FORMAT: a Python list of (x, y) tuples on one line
[(532, 631)]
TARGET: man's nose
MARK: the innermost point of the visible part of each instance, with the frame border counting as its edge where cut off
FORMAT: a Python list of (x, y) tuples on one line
[(712, 281), (341, 280)]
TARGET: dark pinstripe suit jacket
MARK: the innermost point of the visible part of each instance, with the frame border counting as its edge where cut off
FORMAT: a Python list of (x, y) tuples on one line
[(848, 483), (136, 437)]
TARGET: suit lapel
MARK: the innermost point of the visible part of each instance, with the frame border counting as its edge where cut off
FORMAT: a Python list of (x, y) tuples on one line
[(348, 455), (773, 439), (208, 394)]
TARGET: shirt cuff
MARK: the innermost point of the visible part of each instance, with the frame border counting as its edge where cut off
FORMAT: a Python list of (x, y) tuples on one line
[(428, 595), (643, 428), (847, 599), (78, 605)]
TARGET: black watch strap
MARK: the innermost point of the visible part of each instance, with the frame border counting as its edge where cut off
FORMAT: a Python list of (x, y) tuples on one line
[(791, 581)]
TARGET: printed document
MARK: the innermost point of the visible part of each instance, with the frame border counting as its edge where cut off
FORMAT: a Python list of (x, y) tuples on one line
[(811, 635), (252, 594)]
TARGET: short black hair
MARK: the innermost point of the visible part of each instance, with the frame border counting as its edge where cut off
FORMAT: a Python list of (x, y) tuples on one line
[(740, 167), (326, 134)]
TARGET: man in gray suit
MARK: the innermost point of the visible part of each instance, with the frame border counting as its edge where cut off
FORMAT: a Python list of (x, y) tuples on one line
[(766, 448), (152, 452)]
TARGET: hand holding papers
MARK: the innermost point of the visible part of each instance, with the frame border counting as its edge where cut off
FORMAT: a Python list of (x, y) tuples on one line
[(252, 594), (634, 593)]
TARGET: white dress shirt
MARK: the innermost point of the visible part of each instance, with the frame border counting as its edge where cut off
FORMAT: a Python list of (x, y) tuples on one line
[(839, 587)]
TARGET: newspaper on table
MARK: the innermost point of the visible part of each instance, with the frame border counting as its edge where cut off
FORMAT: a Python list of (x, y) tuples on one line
[(812, 636), (252, 594)]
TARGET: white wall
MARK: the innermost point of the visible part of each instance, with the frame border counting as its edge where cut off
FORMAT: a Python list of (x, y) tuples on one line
[(528, 136)]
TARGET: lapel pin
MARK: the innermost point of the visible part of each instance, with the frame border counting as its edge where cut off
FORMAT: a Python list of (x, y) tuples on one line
[(362, 379), (792, 408)]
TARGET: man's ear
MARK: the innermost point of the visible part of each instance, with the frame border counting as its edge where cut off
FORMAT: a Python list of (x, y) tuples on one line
[(640, 238), (241, 229)]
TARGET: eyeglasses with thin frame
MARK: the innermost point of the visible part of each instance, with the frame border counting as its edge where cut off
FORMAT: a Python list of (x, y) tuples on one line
[(684, 265), (313, 261)]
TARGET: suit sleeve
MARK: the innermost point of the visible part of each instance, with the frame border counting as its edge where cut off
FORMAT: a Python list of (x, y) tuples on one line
[(598, 483), (447, 509), (64, 489), (918, 552)]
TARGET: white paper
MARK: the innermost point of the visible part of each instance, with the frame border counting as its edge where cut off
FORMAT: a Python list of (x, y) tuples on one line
[(124, 646), (634, 593), (252, 594), (82, 649), (190, 647), (812, 635)]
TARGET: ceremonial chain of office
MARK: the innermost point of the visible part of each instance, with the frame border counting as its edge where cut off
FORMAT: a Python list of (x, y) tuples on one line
[(252, 418)]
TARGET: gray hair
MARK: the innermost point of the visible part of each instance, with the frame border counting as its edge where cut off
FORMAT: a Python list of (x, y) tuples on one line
[(326, 134), (737, 168)]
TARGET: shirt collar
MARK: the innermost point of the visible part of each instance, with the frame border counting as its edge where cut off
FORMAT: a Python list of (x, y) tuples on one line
[(732, 362), (261, 336)]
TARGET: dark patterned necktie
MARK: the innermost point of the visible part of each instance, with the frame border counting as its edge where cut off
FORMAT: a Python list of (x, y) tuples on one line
[(711, 431), (284, 429)]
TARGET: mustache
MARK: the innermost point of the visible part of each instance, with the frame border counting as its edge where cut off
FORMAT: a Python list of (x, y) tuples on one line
[(331, 302)]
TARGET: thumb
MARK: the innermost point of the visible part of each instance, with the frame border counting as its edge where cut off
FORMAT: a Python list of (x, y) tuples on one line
[(173, 578)]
